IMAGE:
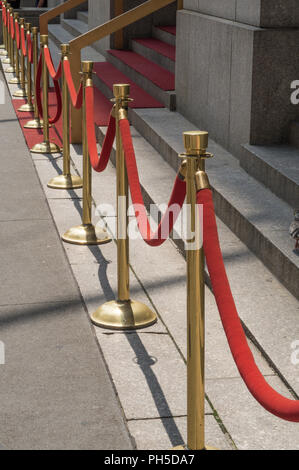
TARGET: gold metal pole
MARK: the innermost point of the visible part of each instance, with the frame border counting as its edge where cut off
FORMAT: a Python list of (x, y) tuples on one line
[(123, 313), (3, 51), (11, 67), (2, 46), (195, 143), (46, 146), (35, 123), (86, 234), (21, 93), (66, 180), (8, 38), (16, 80), (28, 106)]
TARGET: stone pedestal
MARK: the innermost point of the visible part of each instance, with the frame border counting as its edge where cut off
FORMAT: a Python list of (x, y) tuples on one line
[(233, 76)]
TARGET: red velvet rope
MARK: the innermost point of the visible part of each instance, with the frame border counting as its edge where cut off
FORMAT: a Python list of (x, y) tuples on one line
[(23, 42), (177, 197), (17, 34), (12, 27), (271, 400), (98, 163), (5, 16), (30, 49), (38, 94), (55, 75), (76, 97)]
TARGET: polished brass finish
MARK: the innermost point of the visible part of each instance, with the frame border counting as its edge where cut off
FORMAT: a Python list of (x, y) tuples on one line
[(46, 146), (8, 60), (11, 68), (201, 180), (86, 234), (21, 93), (123, 313), (36, 122), (4, 52), (66, 180), (195, 143), (16, 80), (28, 106)]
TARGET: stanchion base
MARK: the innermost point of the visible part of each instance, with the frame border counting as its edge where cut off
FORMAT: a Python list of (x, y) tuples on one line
[(35, 124), (3, 52), (14, 81), (6, 61), (123, 315), (20, 94), (26, 108), (86, 235), (66, 182), (9, 70), (45, 147)]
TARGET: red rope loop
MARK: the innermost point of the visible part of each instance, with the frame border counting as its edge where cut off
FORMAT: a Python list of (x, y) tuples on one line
[(76, 97), (175, 203), (38, 92), (17, 33), (5, 15), (271, 400), (30, 48), (12, 27), (99, 164), (23, 42), (55, 75)]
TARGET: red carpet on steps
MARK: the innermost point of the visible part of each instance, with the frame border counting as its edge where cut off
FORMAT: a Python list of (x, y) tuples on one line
[(33, 136), (168, 29), (109, 75), (158, 46), (153, 72)]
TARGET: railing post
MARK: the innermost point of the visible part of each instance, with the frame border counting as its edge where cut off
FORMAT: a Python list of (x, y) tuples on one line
[(123, 313), (66, 180), (76, 114), (28, 107), (16, 80), (8, 42), (21, 93), (86, 234), (36, 122)]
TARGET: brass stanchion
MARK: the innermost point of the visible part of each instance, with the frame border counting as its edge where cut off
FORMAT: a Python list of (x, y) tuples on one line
[(35, 123), (8, 38), (11, 68), (28, 106), (3, 51), (21, 93), (86, 233), (196, 143), (16, 80), (66, 180), (46, 146), (123, 313)]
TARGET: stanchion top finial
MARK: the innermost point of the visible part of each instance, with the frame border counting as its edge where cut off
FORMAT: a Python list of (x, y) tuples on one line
[(121, 90), (195, 142)]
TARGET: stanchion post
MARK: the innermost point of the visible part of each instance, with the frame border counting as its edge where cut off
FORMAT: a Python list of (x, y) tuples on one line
[(28, 106), (66, 180), (8, 42), (11, 68), (16, 80), (123, 313), (46, 146), (3, 51), (196, 143), (86, 234), (36, 122), (21, 93)]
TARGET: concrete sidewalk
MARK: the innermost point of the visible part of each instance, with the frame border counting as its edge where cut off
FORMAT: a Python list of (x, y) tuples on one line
[(55, 391)]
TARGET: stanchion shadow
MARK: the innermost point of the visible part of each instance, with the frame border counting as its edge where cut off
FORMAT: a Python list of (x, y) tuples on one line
[(145, 362)]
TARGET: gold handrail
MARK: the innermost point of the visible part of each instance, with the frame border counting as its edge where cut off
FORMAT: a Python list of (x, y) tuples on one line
[(49, 15), (117, 23)]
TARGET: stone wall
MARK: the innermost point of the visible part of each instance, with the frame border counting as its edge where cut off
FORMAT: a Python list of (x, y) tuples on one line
[(233, 78)]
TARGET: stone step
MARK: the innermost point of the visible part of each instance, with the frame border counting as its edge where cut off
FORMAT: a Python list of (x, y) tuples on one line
[(75, 27), (156, 80), (159, 32), (258, 217), (160, 52), (83, 16), (277, 167)]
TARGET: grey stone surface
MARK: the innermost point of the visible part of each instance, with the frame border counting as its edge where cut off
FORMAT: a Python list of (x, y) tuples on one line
[(164, 36), (55, 390), (150, 434), (153, 55)]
